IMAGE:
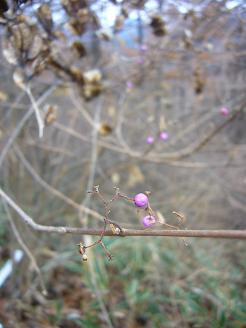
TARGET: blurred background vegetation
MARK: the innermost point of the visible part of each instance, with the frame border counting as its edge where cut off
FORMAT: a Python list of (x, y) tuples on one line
[(104, 76)]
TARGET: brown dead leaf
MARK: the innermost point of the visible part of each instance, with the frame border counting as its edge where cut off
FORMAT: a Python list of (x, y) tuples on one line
[(161, 218), (50, 112), (135, 176)]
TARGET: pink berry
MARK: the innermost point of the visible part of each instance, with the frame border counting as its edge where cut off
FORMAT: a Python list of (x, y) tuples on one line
[(224, 111), (143, 47), (148, 220), (150, 140), (164, 136), (141, 200), (140, 61), (129, 85)]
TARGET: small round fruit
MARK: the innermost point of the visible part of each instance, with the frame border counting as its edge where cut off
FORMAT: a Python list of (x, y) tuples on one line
[(148, 220), (141, 200), (150, 140), (164, 136), (224, 111)]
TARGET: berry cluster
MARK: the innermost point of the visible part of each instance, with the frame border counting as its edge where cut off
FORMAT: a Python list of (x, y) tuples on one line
[(162, 136), (142, 201)]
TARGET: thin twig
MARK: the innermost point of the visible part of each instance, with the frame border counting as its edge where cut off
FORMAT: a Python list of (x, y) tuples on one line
[(22, 123), (25, 248), (40, 120)]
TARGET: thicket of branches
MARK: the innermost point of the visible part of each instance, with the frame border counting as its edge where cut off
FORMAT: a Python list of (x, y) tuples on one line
[(98, 82)]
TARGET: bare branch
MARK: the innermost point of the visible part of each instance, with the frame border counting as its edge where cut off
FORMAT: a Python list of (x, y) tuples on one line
[(36, 111), (231, 234)]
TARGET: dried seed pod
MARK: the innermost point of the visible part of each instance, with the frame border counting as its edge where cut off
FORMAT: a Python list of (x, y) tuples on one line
[(105, 129), (22, 43), (76, 74), (156, 21), (83, 16), (38, 64), (72, 6), (9, 52), (76, 26), (93, 76), (92, 90), (158, 25), (79, 48), (199, 81), (35, 48), (45, 17), (22, 36), (79, 21), (67, 6), (50, 114)]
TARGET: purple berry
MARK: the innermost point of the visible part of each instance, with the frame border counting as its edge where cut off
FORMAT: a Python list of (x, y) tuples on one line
[(140, 61), (141, 200), (129, 85), (150, 140), (164, 136), (224, 111), (148, 220), (143, 48)]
